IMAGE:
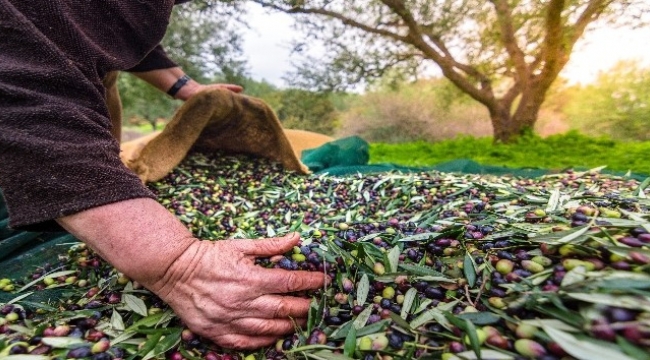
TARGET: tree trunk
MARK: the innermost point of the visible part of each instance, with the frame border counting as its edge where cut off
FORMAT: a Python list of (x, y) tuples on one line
[(507, 127)]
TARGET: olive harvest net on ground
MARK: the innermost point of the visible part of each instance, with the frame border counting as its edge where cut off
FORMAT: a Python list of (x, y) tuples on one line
[(426, 265)]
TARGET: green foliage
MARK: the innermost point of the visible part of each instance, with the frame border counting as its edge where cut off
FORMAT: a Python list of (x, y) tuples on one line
[(297, 108), (555, 152), (504, 54), (142, 102), (205, 42), (263, 90), (307, 110), (202, 40), (618, 103), (431, 109)]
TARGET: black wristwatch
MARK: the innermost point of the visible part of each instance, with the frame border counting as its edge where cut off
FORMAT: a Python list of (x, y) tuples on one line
[(178, 85)]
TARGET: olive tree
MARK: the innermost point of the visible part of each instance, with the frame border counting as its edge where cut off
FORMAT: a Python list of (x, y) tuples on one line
[(504, 54)]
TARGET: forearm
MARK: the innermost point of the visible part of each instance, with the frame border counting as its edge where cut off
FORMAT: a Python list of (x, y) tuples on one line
[(139, 237), (163, 79)]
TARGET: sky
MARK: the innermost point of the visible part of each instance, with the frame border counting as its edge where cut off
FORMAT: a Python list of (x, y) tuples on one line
[(266, 45)]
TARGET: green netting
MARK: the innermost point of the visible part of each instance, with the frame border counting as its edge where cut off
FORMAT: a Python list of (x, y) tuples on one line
[(350, 156), (21, 252), (347, 152)]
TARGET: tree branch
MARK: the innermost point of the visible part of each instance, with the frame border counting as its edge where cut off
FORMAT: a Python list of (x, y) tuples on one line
[(504, 17), (447, 63), (591, 13), (560, 39), (334, 15)]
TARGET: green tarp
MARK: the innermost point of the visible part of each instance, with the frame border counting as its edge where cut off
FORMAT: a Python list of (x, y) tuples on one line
[(350, 156)]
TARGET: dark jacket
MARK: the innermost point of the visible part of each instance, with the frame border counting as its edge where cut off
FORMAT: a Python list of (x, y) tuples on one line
[(57, 155)]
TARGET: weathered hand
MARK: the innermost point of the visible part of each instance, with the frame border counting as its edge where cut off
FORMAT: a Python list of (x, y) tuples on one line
[(214, 287), (220, 293)]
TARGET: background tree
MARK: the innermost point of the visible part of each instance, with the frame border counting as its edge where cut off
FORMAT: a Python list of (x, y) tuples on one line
[(307, 110), (203, 38), (504, 54), (617, 103)]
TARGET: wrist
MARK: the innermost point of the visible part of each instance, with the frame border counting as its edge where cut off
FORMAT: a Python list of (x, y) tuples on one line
[(188, 90), (178, 85), (139, 237)]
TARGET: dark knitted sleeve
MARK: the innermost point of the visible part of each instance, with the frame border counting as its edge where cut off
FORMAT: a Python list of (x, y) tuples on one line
[(156, 59), (57, 155)]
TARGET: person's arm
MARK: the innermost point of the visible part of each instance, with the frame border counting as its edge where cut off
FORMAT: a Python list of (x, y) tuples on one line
[(214, 287), (164, 79), (161, 72)]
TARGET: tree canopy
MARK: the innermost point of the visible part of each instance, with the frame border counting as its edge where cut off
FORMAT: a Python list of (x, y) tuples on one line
[(202, 38), (503, 54), (617, 103)]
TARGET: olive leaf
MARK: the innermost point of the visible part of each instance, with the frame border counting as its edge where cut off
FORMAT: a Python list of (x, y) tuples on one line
[(393, 258), (363, 317), (350, 344), (21, 329), (362, 289), (470, 330), (481, 318), (135, 303), (52, 275), (117, 323), (630, 349), (485, 354), (399, 321), (420, 237), (18, 298), (574, 276), (624, 301), (150, 344), (409, 297), (166, 343), (146, 322), (424, 304), (638, 192), (431, 314), (584, 349), (63, 342), (420, 270), (554, 323), (373, 328), (553, 201), (326, 355), (469, 270)]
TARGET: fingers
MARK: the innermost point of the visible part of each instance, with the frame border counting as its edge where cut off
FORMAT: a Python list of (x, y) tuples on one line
[(279, 281), (280, 307), (243, 342), (234, 88), (267, 327), (256, 333), (268, 247)]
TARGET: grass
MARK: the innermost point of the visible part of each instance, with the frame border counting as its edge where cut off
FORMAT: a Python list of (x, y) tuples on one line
[(570, 150)]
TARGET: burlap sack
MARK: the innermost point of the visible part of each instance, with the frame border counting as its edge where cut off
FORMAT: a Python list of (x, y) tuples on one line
[(219, 119)]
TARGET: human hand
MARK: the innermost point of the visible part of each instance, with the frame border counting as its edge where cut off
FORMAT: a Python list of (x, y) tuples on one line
[(220, 294), (193, 87)]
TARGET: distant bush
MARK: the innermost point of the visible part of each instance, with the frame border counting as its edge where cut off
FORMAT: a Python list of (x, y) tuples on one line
[(307, 110), (555, 152), (426, 110), (617, 103)]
